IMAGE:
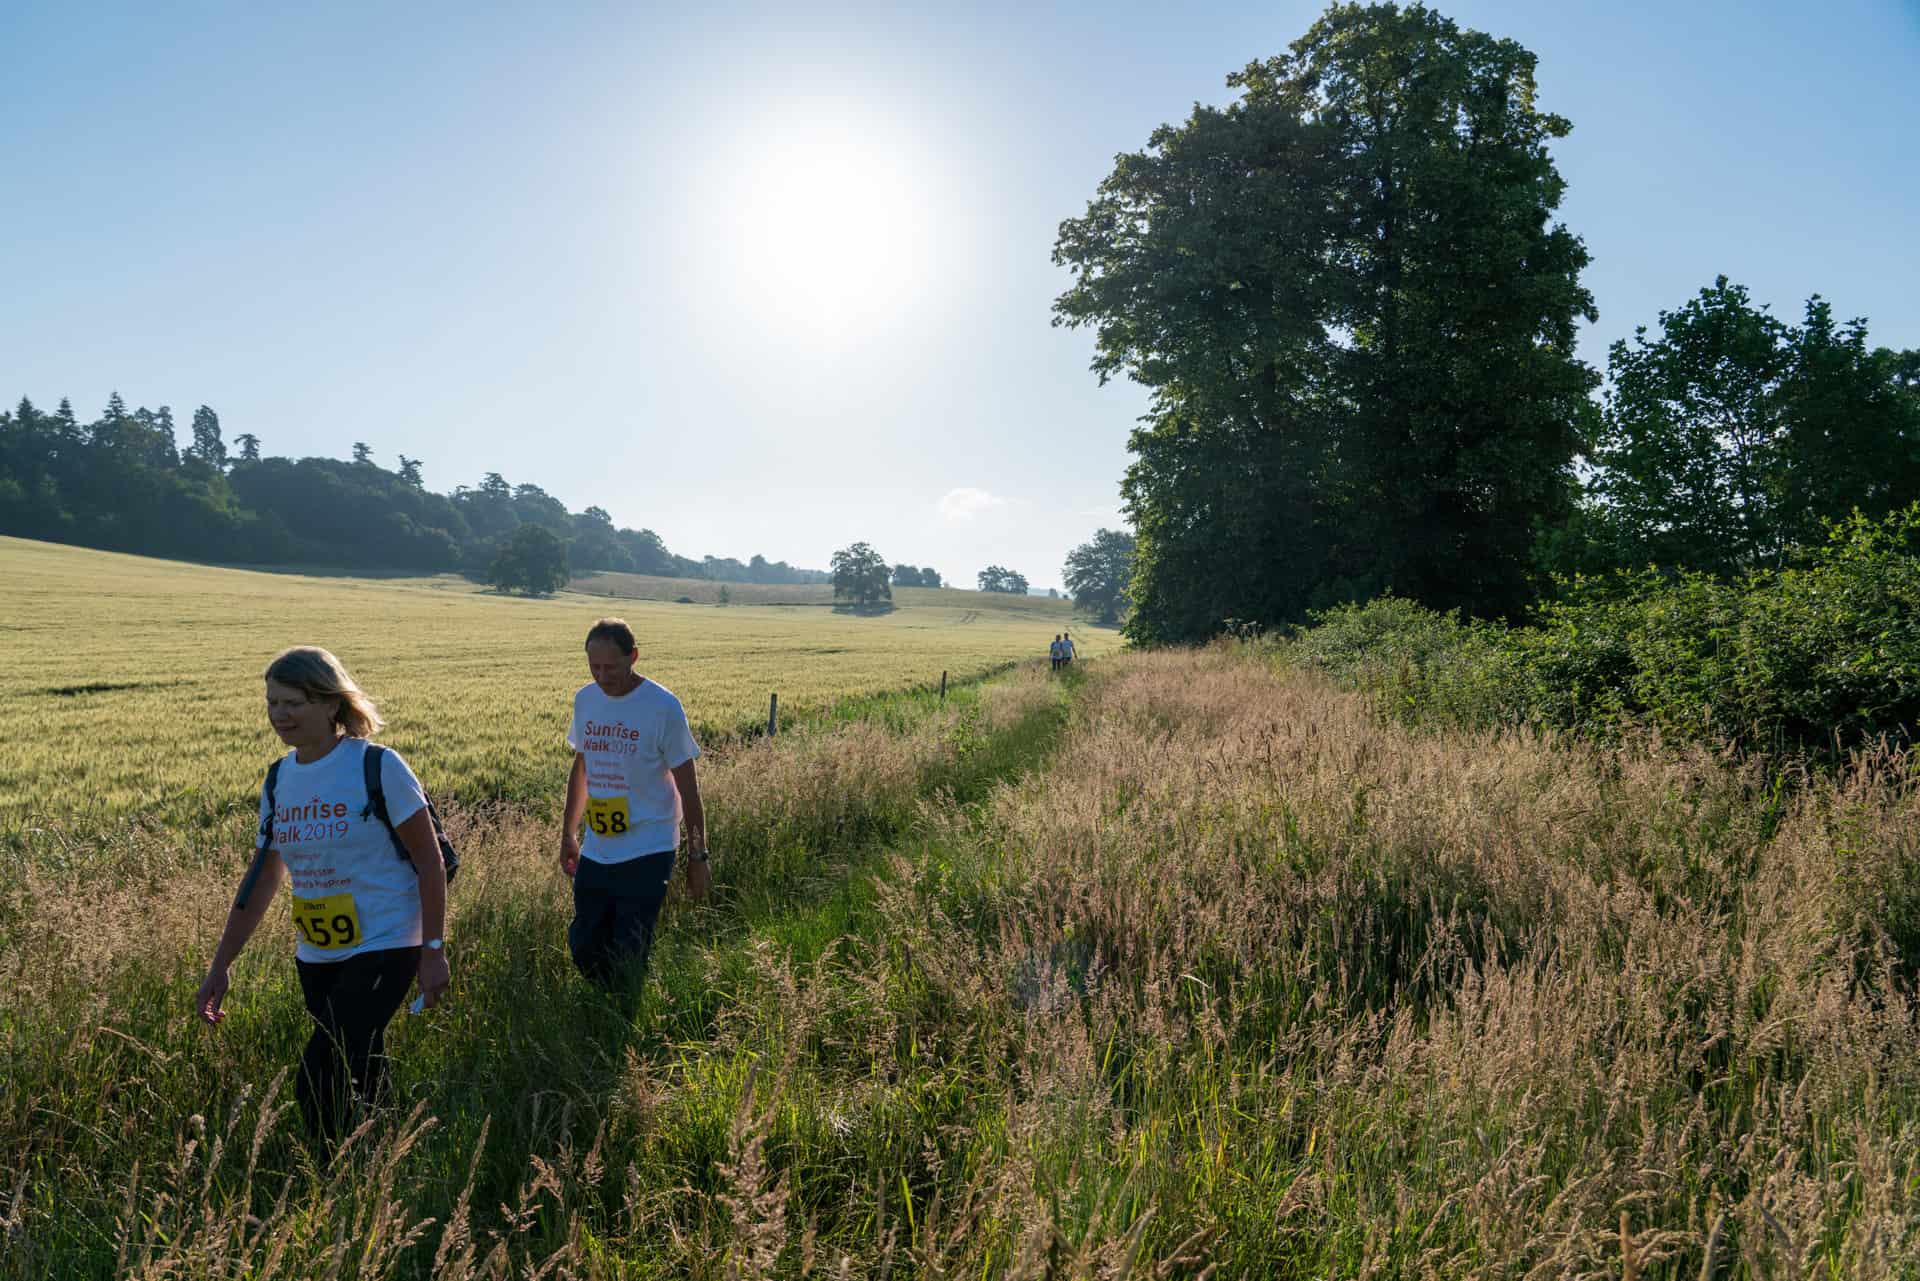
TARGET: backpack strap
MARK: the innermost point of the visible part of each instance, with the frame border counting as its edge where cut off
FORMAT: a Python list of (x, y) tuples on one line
[(266, 821), (377, 808), (370, 764), (264, 844)]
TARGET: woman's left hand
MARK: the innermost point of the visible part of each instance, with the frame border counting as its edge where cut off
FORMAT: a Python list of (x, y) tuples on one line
[(433, 976)]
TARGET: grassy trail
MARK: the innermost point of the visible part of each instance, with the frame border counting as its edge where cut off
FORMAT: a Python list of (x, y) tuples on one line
[(1187, 966), (100, 1091)]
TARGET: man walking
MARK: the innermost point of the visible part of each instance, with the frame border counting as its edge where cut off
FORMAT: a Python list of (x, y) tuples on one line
[(633, 783), (1053, 652)]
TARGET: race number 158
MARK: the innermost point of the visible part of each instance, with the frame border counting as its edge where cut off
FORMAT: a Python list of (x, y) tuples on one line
[(607, 815)]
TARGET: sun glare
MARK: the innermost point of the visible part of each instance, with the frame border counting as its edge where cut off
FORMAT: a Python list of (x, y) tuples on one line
[(826, 229)]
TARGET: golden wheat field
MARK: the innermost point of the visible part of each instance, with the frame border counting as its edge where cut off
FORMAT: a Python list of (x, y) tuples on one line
[(130, 687)]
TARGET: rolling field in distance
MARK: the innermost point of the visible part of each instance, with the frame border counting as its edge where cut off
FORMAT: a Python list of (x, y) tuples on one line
[(706, 592), (130, 687)]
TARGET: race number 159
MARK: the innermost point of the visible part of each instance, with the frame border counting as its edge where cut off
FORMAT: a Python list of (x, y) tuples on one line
[(328, 923)]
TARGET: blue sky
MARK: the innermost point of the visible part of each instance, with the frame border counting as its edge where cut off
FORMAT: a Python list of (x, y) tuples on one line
[(772, 278)]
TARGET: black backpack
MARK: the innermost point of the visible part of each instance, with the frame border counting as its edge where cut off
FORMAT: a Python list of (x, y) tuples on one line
[(376, 808)]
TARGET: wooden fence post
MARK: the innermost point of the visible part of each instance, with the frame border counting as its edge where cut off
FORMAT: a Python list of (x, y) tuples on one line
[(773, 715), (943, 687)]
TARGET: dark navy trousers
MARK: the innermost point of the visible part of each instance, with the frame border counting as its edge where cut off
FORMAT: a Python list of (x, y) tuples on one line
[(615, 907), (343, 1071)]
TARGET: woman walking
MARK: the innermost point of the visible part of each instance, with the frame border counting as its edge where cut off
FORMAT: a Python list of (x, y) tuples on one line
[(370, 917)]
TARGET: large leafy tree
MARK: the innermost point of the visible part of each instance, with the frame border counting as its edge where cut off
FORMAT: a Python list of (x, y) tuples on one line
[(860, 575), (1850, 426), (1098, 571), (1731, 437), (533, 561), (1688, 453), (1355, 315)]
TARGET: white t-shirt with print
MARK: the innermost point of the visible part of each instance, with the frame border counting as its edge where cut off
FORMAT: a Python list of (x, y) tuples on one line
[(352, 891), (631, 744)]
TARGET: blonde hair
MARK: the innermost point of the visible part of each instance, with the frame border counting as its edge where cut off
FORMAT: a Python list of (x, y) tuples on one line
[(319, 675)]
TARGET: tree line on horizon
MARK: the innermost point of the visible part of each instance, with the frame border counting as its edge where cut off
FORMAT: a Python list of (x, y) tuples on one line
[(1355, 314), (862, 577), (122, 483)]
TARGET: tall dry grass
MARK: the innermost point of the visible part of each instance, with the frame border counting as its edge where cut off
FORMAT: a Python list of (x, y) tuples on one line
[(1346, 1000), (1225, 976)]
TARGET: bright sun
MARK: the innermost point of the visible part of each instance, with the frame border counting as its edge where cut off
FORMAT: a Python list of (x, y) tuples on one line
[(827, 229)]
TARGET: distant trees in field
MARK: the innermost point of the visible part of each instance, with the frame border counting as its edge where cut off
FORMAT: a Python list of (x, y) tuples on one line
[(1097, 574), (998, 578), (910, 576), (758, 570), (860, 575), (121, 482), (533, 562)]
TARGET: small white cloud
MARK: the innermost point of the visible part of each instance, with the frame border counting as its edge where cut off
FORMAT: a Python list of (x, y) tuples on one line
[(966, 503)]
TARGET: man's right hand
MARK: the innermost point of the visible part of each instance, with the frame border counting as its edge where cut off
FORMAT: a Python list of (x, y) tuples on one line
[(569, 853)]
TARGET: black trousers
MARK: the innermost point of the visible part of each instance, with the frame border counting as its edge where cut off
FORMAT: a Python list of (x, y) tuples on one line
[(344, 1067), (615, 906)]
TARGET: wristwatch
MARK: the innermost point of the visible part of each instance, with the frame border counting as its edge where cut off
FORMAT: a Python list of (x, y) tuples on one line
[(696, 855), (435, 944)]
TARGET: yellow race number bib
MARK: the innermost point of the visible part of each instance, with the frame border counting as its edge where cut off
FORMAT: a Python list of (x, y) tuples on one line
[(607, 815), (329, 923)]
